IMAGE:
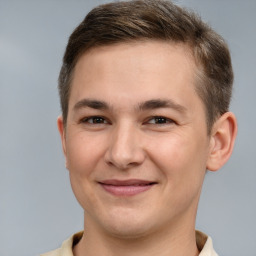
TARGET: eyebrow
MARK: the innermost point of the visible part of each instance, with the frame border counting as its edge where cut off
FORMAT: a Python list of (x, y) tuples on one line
[(161, 103), (147, 105), (91, 103)]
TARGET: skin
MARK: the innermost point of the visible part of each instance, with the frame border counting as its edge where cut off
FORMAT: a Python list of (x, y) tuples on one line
[(134, 114)]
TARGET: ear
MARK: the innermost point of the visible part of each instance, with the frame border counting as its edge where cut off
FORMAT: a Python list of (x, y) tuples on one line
[(222, 141), (61, 129)]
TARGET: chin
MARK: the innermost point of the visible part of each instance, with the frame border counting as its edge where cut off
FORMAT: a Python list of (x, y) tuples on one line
[(127, 225), (127, 230)]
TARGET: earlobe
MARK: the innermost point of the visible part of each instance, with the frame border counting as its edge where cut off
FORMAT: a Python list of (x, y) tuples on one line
[(61, 129), (222, 141)]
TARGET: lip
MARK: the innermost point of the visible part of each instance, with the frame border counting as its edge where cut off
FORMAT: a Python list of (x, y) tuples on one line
[(126, 187)]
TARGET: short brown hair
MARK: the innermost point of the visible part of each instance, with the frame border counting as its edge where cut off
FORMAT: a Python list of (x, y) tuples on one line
[(155, 20)]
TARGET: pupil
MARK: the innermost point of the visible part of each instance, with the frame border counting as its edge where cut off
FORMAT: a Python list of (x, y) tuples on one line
[(160, 120), (97, 120)]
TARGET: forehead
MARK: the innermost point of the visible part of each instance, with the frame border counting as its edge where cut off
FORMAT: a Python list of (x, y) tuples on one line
[(142, 50), (135, 70)]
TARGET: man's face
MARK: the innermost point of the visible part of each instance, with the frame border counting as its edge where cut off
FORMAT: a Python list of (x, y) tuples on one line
[(136, 141)]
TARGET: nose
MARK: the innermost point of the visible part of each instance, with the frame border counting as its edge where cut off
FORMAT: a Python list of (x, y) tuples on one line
[(125, 149)]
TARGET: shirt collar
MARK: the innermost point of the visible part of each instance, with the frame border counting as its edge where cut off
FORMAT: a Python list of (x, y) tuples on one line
[(204, 244)]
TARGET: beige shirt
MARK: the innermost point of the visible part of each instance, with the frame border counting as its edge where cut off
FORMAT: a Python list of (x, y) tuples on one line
[(204, 245)]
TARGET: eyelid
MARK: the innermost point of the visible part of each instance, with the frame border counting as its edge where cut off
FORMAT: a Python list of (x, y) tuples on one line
[(87, 118), (168, 120)]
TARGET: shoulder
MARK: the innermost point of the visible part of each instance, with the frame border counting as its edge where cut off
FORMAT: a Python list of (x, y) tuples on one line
[(66, 247), (52, 253)]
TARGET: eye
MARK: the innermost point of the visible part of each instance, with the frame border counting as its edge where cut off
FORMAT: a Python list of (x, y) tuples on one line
[(94, 120), (160, 120)]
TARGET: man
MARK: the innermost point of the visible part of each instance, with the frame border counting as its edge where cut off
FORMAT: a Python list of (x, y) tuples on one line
[(145, 88)]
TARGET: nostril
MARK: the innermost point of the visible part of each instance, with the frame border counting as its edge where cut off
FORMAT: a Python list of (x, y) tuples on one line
[(123, 165)]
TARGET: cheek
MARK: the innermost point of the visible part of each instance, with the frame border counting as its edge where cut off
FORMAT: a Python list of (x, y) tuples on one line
[(83, 154), (83, 157), (180, 158), (83, 190), (169, 152)]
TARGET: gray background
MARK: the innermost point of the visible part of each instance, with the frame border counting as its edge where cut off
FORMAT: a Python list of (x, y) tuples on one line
[(37, 208)]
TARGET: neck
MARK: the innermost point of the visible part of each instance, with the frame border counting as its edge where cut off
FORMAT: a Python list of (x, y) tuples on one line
[(176, 241)]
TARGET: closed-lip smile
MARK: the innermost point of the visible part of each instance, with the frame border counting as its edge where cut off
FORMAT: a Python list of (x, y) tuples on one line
[(129, 187)]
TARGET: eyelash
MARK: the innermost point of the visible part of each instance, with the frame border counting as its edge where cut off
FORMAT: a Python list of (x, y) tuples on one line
[(95, 120), (163, 120), (159, 120)]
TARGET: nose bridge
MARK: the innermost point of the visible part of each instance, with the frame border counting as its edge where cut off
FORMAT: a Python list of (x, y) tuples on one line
[(125, 148)]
